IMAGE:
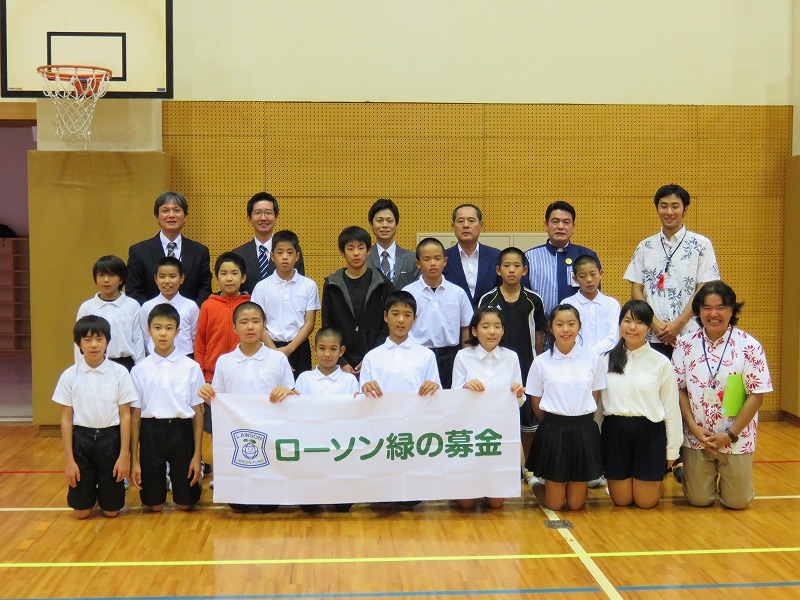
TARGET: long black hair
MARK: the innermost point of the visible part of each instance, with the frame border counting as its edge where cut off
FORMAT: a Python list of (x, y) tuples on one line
[(639, 310)]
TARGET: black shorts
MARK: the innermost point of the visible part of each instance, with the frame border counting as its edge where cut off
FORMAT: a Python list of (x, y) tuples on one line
[(207, 422), (163, 441), (96, 452), (445, 359), (634, 447), (300, 359), (528, 422), (567, 449)]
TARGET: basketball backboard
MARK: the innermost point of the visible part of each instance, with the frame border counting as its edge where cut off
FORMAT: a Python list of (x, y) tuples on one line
[(133, 38)]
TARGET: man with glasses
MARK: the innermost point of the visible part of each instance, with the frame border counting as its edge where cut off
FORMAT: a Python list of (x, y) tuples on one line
[(262, 214)]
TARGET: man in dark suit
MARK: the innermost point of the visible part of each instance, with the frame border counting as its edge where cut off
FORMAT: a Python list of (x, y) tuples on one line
[(397, 264), (262, 214), (470, 265), (170, 210)]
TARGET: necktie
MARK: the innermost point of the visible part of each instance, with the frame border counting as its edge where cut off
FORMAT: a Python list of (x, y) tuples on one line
[(263, 260), (171, 249), (385, 264)]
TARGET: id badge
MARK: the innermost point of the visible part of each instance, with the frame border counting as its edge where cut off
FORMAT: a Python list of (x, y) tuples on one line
[(570, 280), (712, 397), (669, 282)]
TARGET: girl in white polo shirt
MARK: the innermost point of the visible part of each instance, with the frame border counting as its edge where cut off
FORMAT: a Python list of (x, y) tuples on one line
[(565, 384), (487, 366)]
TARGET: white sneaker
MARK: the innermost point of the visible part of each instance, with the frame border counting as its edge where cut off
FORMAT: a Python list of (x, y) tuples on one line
[(598, 483), (533, 480)]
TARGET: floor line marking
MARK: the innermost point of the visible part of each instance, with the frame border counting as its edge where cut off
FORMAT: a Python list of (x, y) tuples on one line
[(587, 561), (394, 559)]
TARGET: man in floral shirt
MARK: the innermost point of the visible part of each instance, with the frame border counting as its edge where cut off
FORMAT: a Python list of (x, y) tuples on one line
[(669, 267), (715, 443)]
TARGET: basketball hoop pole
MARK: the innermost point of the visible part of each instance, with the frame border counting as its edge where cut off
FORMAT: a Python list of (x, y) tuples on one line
[(74, 90)]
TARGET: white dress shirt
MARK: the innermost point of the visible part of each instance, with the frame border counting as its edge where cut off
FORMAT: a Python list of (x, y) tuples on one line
[(178, 244), (441, 313), (648, 388), (391, 252), (95, 394), (599, 321), (236, 373), (469, 263), (565, 382), (285, 303), (188, 312), (166, 387), (400, 367), (338, 382), (496, 370), (126, 332)]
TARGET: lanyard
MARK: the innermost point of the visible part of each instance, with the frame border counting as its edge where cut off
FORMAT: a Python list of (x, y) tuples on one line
[(719, 364), (670, 255)]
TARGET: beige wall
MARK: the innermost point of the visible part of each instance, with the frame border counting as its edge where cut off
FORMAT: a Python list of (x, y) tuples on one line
[(83, 205), (532, 51), (327, 162), (790, 318)]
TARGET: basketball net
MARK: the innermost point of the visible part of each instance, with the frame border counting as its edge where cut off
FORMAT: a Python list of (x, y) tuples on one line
[(74, 90)]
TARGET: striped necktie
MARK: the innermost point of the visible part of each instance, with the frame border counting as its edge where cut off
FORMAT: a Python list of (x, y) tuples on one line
[(171, 249), (263, 260), (385, 267)]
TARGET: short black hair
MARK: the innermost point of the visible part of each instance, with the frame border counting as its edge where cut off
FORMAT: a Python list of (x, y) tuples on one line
[(512, 250), (231, 257), (164, 310), (584, 259), (669, 190), (559, 205), (460, 206), (284, 236), (169, 261), (478, 315), (384, 204), (724, 291), (354, 233), (252, 306), (428, 241), (89, 325), (261, 197), (113, 265), (328, 332), (171, 198), (403, 298)]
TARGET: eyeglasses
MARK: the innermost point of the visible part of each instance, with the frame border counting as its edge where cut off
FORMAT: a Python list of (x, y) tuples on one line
[(262, 213)]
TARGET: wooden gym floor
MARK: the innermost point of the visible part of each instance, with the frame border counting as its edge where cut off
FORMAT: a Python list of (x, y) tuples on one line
[(433, 551)]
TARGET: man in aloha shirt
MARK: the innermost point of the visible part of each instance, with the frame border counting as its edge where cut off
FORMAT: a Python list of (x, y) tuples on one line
[(668, 268), (733, 352)]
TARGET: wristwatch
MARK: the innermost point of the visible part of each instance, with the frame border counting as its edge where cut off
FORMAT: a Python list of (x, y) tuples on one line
[(734, 438)]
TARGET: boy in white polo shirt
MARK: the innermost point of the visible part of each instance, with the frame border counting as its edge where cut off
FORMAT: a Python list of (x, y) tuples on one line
[(121, 312), (443, 309), (599, 313), (328, 377), (400, 364), (290, 302), (252, 368), (166, 420), (169, 279), (95, 395)]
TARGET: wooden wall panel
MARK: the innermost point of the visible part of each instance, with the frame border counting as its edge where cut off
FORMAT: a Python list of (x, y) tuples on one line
[(327, 162)]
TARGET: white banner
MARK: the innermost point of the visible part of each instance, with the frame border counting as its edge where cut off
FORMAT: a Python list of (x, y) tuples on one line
[(313, 449)]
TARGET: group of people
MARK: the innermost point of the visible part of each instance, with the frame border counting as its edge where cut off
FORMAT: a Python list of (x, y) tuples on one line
[(393, 320)]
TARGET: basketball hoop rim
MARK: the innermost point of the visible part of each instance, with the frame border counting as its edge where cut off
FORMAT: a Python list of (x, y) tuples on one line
[(52, 72)]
